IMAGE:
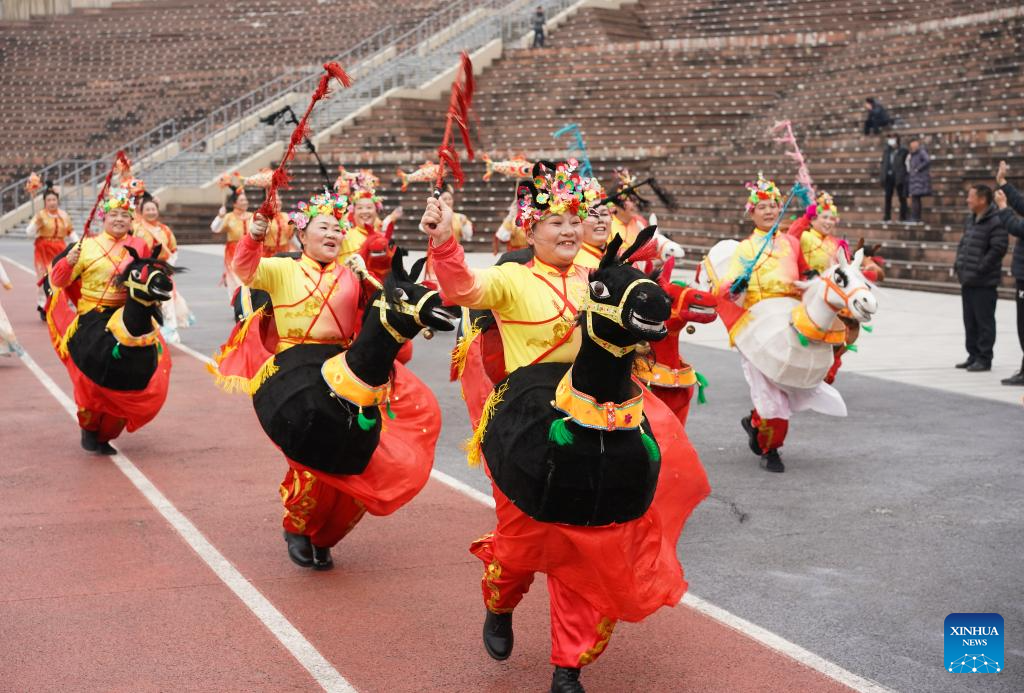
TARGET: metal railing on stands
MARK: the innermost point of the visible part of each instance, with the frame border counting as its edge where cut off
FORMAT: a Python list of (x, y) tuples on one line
[(193, 154)]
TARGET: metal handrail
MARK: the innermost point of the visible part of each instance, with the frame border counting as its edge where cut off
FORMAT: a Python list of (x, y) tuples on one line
[(197, 153)]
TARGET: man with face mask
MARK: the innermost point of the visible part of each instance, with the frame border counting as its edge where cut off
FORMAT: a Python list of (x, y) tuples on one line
[(894, 176)]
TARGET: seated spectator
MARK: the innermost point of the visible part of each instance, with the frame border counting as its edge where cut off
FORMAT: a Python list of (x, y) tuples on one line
[(978, 266), (1010, 200), (877, 118)]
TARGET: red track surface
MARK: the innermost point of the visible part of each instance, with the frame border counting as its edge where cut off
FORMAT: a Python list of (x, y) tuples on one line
[(102, 594)]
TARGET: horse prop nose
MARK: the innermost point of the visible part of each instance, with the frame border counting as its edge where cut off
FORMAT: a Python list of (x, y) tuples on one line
[(866, 305)]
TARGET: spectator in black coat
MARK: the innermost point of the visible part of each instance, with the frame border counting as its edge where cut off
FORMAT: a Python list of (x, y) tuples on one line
[(877, 118), (1008, 201), (894, 176), (979, 260), (538, 21)]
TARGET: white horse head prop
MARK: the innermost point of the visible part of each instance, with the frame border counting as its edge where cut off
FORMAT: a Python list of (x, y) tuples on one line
[(841, 287)]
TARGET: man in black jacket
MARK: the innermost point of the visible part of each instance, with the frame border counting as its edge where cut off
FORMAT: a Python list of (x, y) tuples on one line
[(1010, 200), (894, 176), (979, 259)]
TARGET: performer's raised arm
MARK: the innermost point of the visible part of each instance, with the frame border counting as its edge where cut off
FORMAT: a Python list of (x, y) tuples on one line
[(486, 288)]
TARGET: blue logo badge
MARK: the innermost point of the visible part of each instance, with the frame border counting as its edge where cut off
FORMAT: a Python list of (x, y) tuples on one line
[(974, 643)]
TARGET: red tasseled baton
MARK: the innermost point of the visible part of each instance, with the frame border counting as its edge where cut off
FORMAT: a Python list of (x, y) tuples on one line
[(458, 113), (280, 179)]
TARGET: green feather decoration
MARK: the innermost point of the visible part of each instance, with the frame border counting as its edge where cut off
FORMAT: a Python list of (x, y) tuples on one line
[(851, 347), (867, 328), (702, 383), (116, 351), (364, 421), (651, 445), (559, 433), (803, 340), (391, 414), (159, 349)]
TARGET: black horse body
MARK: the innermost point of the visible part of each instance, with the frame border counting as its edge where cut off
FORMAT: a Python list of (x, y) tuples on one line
[(602, 477), (301, 414), (97, 353)]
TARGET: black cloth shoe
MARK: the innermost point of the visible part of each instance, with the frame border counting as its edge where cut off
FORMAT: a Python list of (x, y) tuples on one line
[(106, 448), (300, 549), (771, 462), (965, 364), (498, 636), (979, 366), (755, 447), (89, 440), (1015, 379), (566, 680), (322, 557), (42, 313)]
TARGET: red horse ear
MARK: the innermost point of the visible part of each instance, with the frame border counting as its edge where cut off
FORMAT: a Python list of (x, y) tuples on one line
[(665, 279)]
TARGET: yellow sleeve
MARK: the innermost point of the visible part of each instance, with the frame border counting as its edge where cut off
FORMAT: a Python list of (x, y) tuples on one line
[(744, 253)]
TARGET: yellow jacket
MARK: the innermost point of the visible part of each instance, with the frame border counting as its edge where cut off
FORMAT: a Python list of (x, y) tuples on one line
[(313, 303), (535, 305), (819, 250), (776, 271), (99, 262), (589, 256)]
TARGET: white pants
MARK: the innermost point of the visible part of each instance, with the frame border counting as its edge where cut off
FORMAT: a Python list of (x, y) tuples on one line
[(774, 401)]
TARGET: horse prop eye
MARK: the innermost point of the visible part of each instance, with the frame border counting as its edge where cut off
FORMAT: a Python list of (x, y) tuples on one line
[(840, 279), (599, 290), (400, 295)]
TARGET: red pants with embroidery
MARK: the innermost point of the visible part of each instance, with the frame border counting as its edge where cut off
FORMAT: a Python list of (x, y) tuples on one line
[(771, 433), (106, 426), (579, 634), (318, 510)]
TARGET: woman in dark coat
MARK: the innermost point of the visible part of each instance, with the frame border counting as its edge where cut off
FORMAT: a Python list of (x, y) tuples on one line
[(919, 167)]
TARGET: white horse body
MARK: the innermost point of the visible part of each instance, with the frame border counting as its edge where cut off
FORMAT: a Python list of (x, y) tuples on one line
[(767, 338), (772, 346)]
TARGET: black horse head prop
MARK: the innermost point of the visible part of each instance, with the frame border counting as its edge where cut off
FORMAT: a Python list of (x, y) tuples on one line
[(148, 279), (625, 305), (407, 307)]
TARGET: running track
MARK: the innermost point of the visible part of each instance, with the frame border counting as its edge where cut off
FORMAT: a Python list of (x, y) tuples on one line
[(163, 569)]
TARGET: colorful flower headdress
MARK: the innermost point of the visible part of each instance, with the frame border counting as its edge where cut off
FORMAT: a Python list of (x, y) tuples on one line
[(362, 185), (555, 189), (825, 203), (593, 192), (762, 190), (327, 203), (231, 181), (117, 198)]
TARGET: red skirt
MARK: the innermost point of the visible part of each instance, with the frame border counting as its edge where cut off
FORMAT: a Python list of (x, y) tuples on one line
[(136, 407), (46, 250), (401, 464), (625, 571)]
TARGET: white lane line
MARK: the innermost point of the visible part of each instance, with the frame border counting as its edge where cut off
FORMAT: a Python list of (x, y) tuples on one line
[(282, 629), (23, 268), (780, 644), (741, 625)]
